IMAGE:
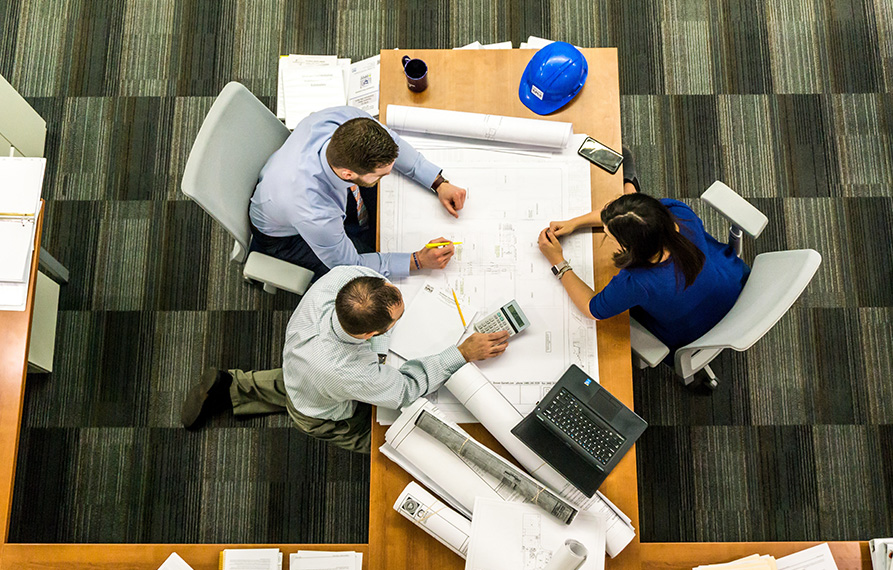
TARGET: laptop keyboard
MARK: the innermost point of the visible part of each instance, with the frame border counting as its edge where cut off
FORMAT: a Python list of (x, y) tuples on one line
[(568, 414)]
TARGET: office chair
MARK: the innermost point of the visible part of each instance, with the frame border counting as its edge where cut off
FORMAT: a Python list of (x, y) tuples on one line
[(776, 280), (235, 140)]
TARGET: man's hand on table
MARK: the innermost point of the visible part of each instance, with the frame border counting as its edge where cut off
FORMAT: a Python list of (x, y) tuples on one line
[(434, 257), (452, 198), (481, 346)]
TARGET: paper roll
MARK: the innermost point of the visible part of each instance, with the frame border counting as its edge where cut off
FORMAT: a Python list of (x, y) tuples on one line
[(436, 461), (513, 130), (570, 556), (443, 523)]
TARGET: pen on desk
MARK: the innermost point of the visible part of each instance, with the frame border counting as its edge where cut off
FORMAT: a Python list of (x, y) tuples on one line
[(456, 300), (442, 243)]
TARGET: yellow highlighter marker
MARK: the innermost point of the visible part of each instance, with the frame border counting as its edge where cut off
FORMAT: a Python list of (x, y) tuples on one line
[(442, 243), (456, 299)]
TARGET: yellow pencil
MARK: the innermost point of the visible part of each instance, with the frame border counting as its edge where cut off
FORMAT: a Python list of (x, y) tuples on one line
[(456, 299), (442, 243)]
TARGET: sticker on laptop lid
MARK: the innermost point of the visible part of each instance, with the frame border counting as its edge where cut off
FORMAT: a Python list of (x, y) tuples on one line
[(587, 382)]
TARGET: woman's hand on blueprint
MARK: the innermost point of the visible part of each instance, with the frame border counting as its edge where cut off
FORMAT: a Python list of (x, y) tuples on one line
[(452, 198), (562, 228), (550, 247), (434, 257)]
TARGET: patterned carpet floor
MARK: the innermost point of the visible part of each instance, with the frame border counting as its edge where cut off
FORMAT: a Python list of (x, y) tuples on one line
[(790, 102)]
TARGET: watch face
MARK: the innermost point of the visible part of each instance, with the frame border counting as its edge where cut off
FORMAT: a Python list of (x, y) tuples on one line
[(554, 270)]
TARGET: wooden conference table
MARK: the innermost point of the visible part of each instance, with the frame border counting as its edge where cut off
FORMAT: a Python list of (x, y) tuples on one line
[(486, 81), (478, 81)]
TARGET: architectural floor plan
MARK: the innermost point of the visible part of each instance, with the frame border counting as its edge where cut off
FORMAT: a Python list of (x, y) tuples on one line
[(511, 198)]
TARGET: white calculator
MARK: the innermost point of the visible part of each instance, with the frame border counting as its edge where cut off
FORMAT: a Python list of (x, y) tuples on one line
[(509, 317)]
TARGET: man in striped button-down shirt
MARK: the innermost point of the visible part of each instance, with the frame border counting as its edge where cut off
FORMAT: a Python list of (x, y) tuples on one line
[(333, 363)]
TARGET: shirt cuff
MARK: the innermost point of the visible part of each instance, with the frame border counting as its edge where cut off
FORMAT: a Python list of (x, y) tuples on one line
[(452, 359), (399, 264)]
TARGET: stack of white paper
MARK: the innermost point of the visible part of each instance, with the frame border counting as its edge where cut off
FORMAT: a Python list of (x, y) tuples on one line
[(815, 558), (251, 559), (478, 45), (324, 560), (21, 180), (534, 42), (309, 83)]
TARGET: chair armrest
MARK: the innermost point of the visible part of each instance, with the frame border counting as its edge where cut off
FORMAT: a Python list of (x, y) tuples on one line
[(278, 273), (645, 346), (738, 210)]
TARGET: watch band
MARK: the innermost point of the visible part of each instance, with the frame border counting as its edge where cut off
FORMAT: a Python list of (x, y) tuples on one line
[(563, 266), (437, 182), (564, 270)]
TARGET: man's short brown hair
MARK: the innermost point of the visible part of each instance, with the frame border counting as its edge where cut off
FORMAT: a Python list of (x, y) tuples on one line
[(364, 305), (361, 145)]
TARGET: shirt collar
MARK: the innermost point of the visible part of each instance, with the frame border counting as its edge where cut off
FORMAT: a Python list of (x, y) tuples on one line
[(342, 334), (333, 178)]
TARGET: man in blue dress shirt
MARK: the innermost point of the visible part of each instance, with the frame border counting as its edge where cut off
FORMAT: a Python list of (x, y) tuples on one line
[(315, 201)]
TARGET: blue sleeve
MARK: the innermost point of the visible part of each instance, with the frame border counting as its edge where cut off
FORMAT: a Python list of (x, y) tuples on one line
[(620, 294), (412, 164), (327, 239)]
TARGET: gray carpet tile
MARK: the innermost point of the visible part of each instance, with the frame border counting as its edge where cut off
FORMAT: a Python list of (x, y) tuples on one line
[(787, 101)]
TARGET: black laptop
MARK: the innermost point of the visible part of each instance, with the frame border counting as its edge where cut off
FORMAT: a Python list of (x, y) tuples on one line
[(581, 430)]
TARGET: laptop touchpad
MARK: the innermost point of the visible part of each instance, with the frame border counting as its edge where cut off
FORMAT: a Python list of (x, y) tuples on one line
[(606, 405)]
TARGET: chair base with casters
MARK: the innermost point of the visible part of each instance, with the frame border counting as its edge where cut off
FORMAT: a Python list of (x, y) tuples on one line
[(233, 145), (776, 281)]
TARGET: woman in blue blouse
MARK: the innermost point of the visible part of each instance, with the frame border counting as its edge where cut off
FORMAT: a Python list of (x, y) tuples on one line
[(674, 278)]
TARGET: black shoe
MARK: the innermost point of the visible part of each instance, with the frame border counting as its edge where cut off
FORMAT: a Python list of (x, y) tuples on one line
[(211, 394), (629, 169)]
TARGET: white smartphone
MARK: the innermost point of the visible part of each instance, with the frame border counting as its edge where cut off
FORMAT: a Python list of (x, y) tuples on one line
[(600, 155)]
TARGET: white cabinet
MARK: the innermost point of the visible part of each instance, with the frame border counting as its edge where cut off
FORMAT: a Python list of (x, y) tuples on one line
[(23, 133), (20, 126)]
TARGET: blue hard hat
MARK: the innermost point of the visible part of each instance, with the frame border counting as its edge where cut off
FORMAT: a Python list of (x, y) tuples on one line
[(554, 76)]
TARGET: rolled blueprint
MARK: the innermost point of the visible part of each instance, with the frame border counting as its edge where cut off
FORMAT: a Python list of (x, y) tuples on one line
[(479, 457), (570, 556), (514, 130), (438, 463), (499, 416), (458, 479), (443, 523)]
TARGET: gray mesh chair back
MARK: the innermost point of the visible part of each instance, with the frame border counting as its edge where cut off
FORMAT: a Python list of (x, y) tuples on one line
[(238, 136)]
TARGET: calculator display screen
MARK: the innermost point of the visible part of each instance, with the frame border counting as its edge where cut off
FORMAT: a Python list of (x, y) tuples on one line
[(515, 316)]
